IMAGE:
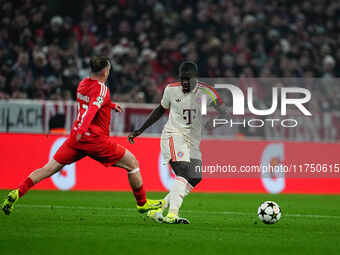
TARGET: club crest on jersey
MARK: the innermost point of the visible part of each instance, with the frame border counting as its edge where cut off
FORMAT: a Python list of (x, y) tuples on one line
[(180, 154), (99, 101)]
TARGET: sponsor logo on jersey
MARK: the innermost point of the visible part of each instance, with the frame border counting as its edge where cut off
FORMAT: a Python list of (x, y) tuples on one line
[(178, 100)]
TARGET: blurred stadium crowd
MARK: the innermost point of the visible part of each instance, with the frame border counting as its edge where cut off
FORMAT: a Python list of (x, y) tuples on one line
[(43, 55)]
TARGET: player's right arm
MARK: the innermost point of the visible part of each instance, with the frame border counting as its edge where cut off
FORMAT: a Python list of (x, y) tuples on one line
[(154, 116), (97, 96)]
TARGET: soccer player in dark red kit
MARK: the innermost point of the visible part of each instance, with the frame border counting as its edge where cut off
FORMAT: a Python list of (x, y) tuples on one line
[(90, 137)]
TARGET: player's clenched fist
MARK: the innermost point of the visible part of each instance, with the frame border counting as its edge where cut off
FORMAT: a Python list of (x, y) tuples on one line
[(119, 108), (134, 134), (116, 107)]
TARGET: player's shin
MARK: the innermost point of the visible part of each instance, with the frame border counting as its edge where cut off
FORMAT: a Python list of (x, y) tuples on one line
[(167, 197), (136, 183), (167, 201), (176, 195), (38, 175)]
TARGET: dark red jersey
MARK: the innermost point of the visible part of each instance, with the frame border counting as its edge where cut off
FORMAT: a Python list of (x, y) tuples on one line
[(93, 110)]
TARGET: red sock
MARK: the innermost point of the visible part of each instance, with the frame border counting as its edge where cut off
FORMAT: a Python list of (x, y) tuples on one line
[(25, 186), (140, 195)]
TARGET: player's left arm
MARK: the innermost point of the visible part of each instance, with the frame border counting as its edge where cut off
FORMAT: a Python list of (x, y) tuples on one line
[(154, 116), (97, 97)]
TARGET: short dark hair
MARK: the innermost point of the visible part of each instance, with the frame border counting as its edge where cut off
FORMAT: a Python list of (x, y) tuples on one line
[(98, 63), (188, 67)]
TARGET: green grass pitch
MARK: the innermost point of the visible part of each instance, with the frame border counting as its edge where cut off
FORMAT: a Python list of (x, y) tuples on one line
[(56, 222)]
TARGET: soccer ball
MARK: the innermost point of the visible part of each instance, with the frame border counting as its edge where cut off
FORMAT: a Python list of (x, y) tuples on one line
[(269, 212)]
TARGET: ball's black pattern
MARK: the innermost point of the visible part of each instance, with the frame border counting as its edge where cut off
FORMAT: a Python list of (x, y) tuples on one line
[(271, 215)]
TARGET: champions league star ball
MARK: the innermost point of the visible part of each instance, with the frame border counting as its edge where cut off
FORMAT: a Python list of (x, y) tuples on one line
[(269, 212)]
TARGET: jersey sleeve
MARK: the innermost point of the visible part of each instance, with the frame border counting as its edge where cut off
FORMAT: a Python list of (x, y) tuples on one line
[(97, 96), (165, 103)]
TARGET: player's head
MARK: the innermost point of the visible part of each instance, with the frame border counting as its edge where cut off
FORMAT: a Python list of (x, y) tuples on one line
[(100, 66), (188, 74)]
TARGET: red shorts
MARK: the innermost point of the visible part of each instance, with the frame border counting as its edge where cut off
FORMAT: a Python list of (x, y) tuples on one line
[(103, 150)]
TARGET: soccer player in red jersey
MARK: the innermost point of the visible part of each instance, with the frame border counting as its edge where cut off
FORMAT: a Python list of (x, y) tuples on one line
[(90, 137)]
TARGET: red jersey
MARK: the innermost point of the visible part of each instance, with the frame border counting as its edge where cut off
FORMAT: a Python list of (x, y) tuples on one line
[(92, 122), (93, 110)]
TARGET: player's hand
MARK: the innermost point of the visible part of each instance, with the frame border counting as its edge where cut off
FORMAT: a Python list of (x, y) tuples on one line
[(132, 136), (78, 137), (119, 108)]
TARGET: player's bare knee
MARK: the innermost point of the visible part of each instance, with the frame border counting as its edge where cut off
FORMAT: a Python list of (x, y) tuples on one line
[(130, 161), (134, 164), (131, 164)]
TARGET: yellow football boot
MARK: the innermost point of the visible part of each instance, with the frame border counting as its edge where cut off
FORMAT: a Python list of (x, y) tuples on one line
[(150, 205), (172, 218), (8, 204)]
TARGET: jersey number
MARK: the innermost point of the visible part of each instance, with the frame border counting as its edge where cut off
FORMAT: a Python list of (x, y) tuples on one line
[(189, 115), (81, 115)]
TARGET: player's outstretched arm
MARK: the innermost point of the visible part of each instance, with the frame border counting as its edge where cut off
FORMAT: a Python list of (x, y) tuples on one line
[(152, 118)]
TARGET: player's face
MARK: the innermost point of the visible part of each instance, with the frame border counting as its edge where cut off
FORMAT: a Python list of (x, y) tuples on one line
[(107, 71), (188, 82)]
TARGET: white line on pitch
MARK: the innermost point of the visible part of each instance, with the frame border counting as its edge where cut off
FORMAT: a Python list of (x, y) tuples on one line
[(187, 211)]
